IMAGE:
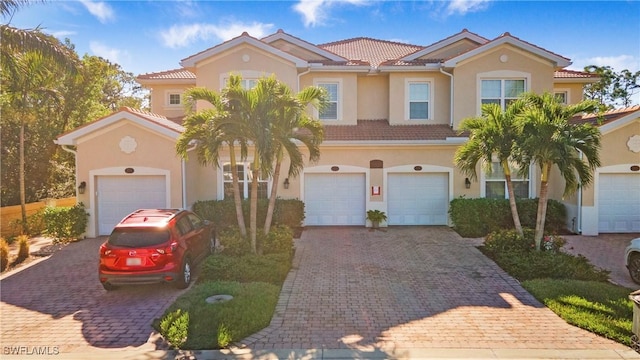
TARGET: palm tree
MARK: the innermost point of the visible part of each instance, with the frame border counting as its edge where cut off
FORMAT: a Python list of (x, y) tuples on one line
[(492, 134), (210, 130), (549, 138), (291, 125)]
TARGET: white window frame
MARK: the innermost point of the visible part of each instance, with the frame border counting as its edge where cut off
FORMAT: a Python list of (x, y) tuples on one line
[(407, 104), (500, 75), (339, 100), (246, 181), (514, 178), (167, 98), (247, 75), (565, 92)]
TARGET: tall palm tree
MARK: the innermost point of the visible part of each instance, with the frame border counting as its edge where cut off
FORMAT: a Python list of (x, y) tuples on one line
[(550, 139), (492, 134), (210, 130), (293, 125)]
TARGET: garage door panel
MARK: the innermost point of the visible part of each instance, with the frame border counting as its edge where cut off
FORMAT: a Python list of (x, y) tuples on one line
[(418, 199), (335, 199), (619, 203), (120, 195)]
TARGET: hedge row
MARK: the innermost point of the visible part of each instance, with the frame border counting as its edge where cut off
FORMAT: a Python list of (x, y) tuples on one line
[(479, 217), (222, 213)]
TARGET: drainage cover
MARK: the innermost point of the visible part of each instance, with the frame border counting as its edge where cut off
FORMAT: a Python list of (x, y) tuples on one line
[(218, 298)]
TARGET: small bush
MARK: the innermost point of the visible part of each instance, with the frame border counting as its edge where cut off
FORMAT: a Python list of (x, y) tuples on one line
[(233, 243), (23, 247), (65, 224), (224, 336), (279, 241), (4, 254), (272, 268), (174, 326), (289, 212), (222, 213)]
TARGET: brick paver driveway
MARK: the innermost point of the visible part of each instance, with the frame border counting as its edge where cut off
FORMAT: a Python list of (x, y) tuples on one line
[(59, 305), (408, 288)]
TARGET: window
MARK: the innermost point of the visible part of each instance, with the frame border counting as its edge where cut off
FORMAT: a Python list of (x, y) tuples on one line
[(174, 99), (501, 91), (496, 185), (244, 180), (331, 111), (562, 96), (419, 100)]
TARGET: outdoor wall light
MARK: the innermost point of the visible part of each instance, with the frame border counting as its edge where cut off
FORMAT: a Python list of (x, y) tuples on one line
[(286, 183), (82, 187), (467, 183)]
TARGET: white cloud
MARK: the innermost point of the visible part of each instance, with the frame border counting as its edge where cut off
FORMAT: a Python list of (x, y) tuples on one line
[(183, 35), (314, 12), (112, 54), (100, 10), (463, 7), (61, 34), (618, 63)]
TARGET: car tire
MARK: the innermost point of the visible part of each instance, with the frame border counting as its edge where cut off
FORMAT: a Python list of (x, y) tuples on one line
[(107, 286), (186, 272), (634, 267)]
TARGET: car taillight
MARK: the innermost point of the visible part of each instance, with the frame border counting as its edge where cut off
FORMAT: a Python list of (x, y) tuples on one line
[(169, 249), (104, 250)]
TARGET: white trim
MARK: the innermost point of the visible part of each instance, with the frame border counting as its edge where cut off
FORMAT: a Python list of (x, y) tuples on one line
[(340, 101), (92, 225), (499, 75), (444, 43), (247, 169), (245, 74), (567, 93), (614, 125), (167, 99), (483, 183), (407, 98), (303, 44)]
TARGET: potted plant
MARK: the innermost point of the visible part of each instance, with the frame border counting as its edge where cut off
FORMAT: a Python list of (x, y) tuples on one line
[(376, 217)]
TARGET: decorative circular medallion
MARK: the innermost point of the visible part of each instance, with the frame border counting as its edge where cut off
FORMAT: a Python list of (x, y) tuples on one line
[(128, 145), (246, 58), (504, 58), (634, 143)]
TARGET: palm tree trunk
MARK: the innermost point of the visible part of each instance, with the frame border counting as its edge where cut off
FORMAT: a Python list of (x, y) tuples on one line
[(274, 194), (253, 217), (542, 206), (512, 201), (21, 179), (236, 191)]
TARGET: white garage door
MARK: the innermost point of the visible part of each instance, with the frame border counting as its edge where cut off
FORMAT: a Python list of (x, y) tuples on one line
[(120, 195), (418, 199), (619, 203), (334, 199)]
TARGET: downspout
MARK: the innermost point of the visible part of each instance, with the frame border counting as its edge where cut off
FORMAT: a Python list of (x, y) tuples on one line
[(184, 178), (579, 220), (302, 74), (75, 161), (450, 96)]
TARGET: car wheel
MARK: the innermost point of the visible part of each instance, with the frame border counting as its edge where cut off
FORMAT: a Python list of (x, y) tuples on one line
[(212, 243), (184, 277), (107, 286), (634, 267)]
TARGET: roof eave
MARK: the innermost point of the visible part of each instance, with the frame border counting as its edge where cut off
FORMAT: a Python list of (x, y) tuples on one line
[(404, 68), (575, 80), (303, 44)]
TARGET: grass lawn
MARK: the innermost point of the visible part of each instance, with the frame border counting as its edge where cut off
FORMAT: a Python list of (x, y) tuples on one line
[(602, 308)]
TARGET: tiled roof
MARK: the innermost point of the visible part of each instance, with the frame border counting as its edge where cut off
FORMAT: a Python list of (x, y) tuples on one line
[(380, 130), (606, 117), (573, 74), (372, 51), (175, 74), (158, 119)]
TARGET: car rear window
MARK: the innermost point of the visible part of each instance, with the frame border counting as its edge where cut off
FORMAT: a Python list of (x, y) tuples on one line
[(134, 238)]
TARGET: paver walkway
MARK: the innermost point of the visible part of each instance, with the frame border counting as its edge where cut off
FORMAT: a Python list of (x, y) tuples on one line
[(409, 288)]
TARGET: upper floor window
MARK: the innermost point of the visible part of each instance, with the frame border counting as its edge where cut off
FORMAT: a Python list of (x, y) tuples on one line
[(244, 180), (496, 185), (419, 99), (562, 96), (501, 91), (331, 111), (173, 98)]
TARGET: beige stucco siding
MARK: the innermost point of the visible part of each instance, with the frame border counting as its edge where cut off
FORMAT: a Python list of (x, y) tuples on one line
[(452, 50), (373, 97), (160, 100), (574, 91), (500, 63), (347, 92), (202, 181), (398, 97)]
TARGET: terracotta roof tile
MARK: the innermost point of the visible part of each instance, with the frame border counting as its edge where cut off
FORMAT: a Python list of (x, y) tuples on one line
[(372, 51), (606, 117), (169, 74), (380, 130), (158, 119), (573, 74)]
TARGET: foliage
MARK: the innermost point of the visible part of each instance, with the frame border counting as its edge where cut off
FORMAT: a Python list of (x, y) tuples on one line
[(174, 326), (278, 241), (23, 247), (480, 216), (249, 311), (233, 243), (602, 308), (4, 254), (271, 268), (65, 224), (614, 88), (376, 216), (518, 257), (288, 212)]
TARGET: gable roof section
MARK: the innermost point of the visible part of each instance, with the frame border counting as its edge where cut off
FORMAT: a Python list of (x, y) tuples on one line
[(154, 122), (464, 34), (368, 50), (175, 76), (506, 38), (610, 120), (245, 38), (281, 35), (380, 130)]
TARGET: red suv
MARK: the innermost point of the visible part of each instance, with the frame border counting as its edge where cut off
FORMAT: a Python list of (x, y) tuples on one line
[(155, 245)]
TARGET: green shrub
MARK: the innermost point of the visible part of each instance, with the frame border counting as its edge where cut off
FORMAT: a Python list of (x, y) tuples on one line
[(65, 224), (279, 240), (222, 213), (289, 212), (174, 326), (233, 243), (23, 247), (272, 268), (224, 336), (479, 217), (4, 254)]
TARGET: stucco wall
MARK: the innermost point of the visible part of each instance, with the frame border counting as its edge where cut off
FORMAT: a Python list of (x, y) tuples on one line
[(348, 102), (398, 95), (373, 97), (160, 100)]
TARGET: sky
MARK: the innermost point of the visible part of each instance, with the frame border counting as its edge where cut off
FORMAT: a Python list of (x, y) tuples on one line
[(150, 36)]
